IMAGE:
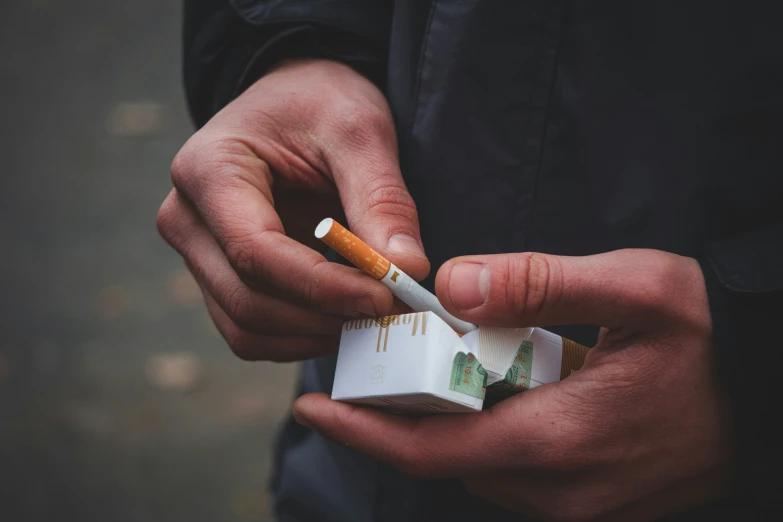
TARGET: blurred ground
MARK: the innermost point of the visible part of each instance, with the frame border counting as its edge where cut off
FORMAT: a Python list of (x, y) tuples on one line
[(118, 400)]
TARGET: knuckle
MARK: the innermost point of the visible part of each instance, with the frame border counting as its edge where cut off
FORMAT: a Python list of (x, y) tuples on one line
[(204, 165), (652, 287), (182, 166), (529, 279), (647, 296), (242, 253), (308, 293), (311, 293), (173, 224), (359, 122), (239, 307), (668, 287), (388, 198), (166, 218)]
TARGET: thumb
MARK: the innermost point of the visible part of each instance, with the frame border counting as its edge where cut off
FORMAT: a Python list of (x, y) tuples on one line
[(377, 205), (624, 288)]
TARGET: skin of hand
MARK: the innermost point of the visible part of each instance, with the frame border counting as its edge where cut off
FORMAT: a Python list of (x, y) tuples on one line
[(311, 139), (642, 430)]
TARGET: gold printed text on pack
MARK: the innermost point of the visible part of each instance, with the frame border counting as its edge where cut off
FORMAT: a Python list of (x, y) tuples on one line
[(423, 323), (418, 320), (384, 323)]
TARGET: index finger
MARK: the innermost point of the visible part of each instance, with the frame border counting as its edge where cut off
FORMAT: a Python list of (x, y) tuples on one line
[(233, 197), (447, 445)]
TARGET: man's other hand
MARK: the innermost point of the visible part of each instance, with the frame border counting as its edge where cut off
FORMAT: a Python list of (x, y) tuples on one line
[(640, 431), (311, 139)]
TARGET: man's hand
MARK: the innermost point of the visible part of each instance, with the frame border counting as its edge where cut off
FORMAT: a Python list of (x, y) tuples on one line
[(640, 431), (311, 139)]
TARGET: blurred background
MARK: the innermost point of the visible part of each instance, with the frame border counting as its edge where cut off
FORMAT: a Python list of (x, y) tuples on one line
[(118, 399)]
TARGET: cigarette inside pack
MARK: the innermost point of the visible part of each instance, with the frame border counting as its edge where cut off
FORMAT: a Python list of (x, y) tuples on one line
[(417, 364)]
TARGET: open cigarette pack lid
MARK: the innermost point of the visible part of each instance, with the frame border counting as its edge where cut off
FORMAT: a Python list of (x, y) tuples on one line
[(417, 364)]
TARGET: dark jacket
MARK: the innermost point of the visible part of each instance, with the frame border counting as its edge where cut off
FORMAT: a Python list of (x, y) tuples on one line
[(561, 127)]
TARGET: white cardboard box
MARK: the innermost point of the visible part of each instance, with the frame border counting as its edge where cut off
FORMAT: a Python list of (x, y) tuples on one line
[(405, 363), (416, 364)]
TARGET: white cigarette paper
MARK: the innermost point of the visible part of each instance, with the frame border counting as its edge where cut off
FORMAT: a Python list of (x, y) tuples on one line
[(419, 299), (401, 284)]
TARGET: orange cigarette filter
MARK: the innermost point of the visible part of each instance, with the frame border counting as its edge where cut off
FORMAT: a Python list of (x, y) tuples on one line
[(352, 248)]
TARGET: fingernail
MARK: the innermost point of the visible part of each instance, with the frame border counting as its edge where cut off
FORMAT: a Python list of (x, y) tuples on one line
[(469, 285), (405, 244), (300, 414)]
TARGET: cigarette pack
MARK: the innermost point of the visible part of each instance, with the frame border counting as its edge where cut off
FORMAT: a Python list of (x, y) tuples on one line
[(417, 364)]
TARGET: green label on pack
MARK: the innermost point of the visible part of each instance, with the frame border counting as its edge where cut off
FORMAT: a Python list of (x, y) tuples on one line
[(518, 376), (468, 376)]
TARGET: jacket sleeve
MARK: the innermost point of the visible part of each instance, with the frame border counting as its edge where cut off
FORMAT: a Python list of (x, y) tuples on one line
[(229, 44), (744, 277)]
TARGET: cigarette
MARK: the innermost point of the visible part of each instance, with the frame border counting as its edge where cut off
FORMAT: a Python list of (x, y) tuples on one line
[(402, 286)]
